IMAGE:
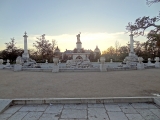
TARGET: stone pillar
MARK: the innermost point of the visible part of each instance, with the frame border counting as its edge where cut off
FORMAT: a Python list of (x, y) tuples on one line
[(55, 65), (111, 61), (46, 61), (157, 63), (131, 43), (1, 64), (140, 65), (18, 66), (8, 63), (25, 54), (149, 62), (102, 65)]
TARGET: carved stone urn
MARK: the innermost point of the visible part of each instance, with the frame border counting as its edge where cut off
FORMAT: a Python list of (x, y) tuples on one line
[(149, 59), (8, 60), (140, 59), (157, 59), (102, 60), (1, 61), (18, 60), (55, 60)]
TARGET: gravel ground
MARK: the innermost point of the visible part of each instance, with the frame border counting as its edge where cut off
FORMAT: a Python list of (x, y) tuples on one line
[(26, 84)]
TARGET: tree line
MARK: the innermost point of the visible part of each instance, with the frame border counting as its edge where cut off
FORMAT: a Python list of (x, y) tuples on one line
[(43, 50), (146, 50)]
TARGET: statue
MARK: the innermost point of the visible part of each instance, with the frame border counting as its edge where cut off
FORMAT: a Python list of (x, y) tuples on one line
[(43, 36), (78, 37)]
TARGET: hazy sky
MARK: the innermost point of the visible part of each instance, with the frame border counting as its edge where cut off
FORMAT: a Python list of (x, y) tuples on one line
[(101, 22)]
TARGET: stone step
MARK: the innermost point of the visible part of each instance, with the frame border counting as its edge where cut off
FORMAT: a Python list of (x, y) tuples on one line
[(82, 100), (4, 104)]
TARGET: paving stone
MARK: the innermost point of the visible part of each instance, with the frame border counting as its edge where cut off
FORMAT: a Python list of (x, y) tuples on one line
[(72, 113), (147, 114), (49, 117), (4, 116), (144, 105), (75, 106), (96, 105), (156, 112), (18, 116), (13, 109), (112, 107), (4, 104), (73, 119), (55, 108), (134, 117), (127, 108), (35, 108), (33, 116), (97, 114), (125, 105), (117, 116)]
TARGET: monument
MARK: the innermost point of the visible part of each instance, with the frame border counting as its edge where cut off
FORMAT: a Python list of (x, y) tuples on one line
[(132, 59), (25, 60), (80, 58)]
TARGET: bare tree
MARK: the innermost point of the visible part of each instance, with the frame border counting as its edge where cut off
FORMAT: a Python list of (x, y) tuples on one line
[(117, 46), (143, 23), (44, 48), (150, 2)]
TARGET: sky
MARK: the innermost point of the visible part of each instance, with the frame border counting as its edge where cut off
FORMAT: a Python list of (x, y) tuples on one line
[(101, 22)]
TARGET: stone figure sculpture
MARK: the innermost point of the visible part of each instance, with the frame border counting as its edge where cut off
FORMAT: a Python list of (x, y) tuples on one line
[(78, 37), (43, 36)]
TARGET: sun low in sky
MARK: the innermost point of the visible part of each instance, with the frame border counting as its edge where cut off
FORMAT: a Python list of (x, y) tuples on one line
[(101, 22)]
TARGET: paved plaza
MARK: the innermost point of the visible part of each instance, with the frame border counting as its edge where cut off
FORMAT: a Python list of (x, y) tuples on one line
[(122, 111)]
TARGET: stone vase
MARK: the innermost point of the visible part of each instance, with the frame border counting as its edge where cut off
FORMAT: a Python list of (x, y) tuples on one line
[(8, 64), (111, 61), (18, 60), (46, 61), (149, 62), (8, 60), (55, 60), (102, 60), (157, 59), (124, 61), (140, 59), (140, 65)]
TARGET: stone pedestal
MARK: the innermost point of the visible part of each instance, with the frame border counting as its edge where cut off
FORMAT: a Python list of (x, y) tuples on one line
[(149, 62), (25, 55), (55, 68), (157, 64), (46, 61), (1, 66), (103, 68), (132, 58), (111, 61), (8, 64), (17, 67), (140, 66)]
